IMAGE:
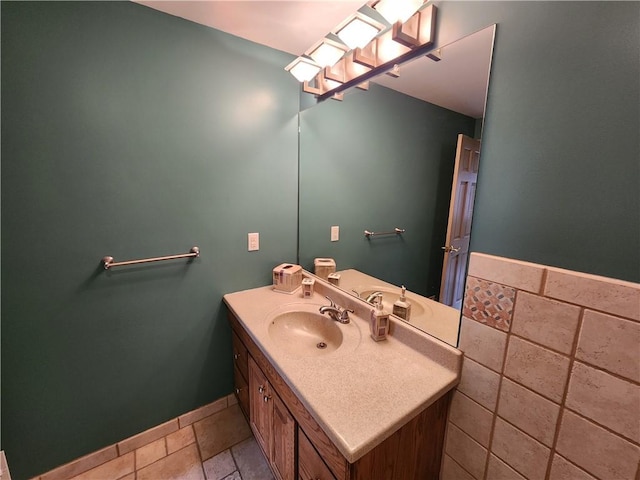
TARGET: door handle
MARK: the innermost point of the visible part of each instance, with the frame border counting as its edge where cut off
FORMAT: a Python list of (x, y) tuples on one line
[(451, 248)]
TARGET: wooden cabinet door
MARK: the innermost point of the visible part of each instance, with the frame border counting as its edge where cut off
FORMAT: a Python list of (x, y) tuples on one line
[(283, 441), (310, 463), (260, 408)]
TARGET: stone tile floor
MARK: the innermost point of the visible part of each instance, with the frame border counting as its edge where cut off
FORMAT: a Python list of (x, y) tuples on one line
[(243, 461)]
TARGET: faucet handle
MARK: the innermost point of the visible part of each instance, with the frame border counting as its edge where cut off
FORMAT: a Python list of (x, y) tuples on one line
[(330, 301)]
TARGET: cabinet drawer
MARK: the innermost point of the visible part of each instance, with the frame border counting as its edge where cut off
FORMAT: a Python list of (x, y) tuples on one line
[(310, 464), (240, 356), (241, 390)]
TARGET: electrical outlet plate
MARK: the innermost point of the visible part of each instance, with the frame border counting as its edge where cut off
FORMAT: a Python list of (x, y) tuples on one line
[(335, 233), (253, 240)]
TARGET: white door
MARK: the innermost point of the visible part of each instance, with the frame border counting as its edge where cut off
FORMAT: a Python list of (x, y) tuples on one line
[(456, 247)]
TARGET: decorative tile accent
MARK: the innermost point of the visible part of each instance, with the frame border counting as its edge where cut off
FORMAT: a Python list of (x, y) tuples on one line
[(482, 343), (479, 383), (514, 273), (526, 455), (471, 417), (466, 451), (489, 303), (561, 469), (605, 399), (599, 293), (545, 321), (599, 452), (452, 471), (530, 412), (611, 343), (498, 470), (542, 370)]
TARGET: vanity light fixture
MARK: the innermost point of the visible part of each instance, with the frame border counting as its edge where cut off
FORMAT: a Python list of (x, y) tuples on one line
[(329, 67), (396, 10), (303, 69), (326, 52), (358, 30)]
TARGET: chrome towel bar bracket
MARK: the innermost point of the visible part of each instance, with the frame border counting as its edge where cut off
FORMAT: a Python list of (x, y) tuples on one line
[(108, 262), (396, 230)]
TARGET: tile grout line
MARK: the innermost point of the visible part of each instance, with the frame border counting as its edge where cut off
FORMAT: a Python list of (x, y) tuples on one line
[(502, 376), (565, 393)]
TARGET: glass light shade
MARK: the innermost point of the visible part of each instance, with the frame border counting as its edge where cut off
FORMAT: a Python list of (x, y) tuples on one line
[(357, 33), (397, 10), (326, 54), (302, 69)]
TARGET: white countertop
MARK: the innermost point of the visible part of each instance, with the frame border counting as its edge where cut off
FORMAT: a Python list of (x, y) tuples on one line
[(362, 395)]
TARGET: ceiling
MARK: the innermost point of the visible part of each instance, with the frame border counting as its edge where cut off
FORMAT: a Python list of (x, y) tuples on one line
[(457, 82)]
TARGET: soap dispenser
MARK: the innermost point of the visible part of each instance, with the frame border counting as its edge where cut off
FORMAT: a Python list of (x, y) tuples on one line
[(379, 321), (401, 307)]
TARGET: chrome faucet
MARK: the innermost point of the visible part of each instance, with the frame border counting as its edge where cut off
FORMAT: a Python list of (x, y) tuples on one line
[(372, 296), (339, 314)]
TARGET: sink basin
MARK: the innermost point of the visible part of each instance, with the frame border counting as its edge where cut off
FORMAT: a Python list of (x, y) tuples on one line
[(305, 333), (389, 296), (301, 330)]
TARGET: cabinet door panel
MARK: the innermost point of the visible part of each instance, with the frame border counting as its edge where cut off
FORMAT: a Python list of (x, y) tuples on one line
[(260, 412), (310, 464), (283, 441)]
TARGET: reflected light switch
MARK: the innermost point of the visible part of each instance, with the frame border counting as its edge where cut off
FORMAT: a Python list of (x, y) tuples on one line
[(254, 241), (335, 233)]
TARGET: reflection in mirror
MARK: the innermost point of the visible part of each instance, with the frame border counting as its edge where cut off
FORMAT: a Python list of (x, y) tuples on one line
[(384, 159)]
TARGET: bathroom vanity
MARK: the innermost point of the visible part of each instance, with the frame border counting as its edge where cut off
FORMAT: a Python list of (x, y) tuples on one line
[(325, 401)]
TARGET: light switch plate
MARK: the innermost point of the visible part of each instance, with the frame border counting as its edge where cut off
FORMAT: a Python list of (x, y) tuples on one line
[(253, 240), (335, 233)]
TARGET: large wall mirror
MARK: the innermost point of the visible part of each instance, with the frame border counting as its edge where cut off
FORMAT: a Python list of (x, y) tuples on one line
[(384, 158)]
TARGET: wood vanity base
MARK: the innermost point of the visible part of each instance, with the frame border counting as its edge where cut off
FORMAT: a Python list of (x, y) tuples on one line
[(414, 452)]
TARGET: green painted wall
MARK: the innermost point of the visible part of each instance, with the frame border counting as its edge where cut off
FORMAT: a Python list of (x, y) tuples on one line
[(375, 161), (130, 133), (559, 180)]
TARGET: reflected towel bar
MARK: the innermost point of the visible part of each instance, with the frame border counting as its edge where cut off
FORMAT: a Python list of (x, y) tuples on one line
[(396, 230), (108, 261)]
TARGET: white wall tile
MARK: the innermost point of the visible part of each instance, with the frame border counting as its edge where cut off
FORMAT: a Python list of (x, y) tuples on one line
[(541, 370), (599, 293), (561, 469), (471, 417), (530, 412), (545, 321), (611, 343), (482, 343), (514, 273), (466, 451), (599, 452), (498, 470), (605, 399), (526, 455), (479, 383)]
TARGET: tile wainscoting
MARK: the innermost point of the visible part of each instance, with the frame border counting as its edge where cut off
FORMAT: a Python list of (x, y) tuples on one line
[(550, 380)]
